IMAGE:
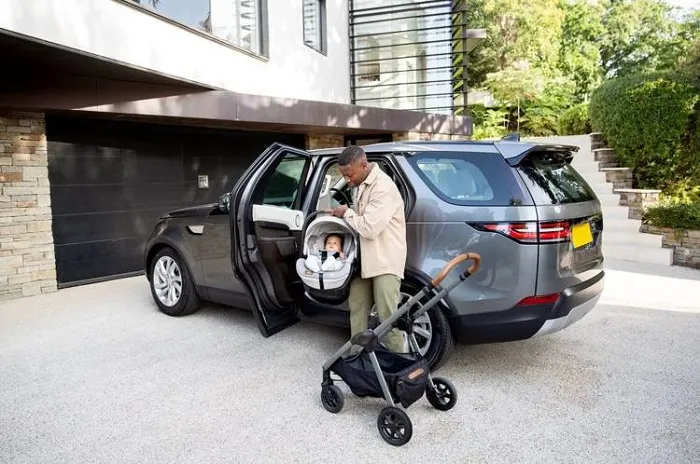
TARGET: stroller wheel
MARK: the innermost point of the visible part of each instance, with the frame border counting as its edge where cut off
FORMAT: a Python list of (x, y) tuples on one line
[(394, 426), (332, 398), (444, 397)]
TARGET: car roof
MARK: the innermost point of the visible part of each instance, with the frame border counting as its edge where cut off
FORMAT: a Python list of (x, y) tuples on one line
[(508, 149)]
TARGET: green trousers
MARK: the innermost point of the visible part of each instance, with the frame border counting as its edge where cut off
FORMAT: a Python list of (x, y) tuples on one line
[(384, 290)]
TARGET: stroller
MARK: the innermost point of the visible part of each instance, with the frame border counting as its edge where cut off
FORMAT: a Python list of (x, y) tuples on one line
[(332, 286), (398, 378)]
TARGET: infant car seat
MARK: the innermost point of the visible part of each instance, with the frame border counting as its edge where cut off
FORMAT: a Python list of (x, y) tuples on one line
[(330, 286)]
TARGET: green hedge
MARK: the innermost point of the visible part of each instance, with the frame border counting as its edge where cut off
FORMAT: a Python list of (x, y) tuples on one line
[(650, 120), (680, 216), (575, 120)]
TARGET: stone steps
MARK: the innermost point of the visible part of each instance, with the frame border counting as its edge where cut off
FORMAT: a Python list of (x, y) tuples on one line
[(622, 205)]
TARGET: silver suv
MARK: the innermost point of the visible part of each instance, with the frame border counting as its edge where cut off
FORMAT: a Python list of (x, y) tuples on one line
[(533, 219)]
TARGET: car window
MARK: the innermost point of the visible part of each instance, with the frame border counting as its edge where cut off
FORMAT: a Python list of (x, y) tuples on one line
[(468, 179), (552, 181), (282, 187), (328, 199)]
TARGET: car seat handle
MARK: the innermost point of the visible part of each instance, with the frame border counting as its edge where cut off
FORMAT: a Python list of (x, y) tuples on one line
[(455, 261)]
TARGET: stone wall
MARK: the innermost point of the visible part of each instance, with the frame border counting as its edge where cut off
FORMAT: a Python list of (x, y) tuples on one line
[(27, 261), (316, 141), (685, 244), (621, 178), (638, 200)]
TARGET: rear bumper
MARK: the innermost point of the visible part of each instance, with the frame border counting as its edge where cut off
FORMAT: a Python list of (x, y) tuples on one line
[(521, 322)]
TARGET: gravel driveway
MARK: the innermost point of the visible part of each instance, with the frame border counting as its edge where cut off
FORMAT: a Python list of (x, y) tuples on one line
[(97, 374)]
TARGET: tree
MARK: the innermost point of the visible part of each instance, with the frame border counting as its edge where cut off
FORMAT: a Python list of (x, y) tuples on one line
[(511, 86), (517, 31), (637, 35), (579, 54)]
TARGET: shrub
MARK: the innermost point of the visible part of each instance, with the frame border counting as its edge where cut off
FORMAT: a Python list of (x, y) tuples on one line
[(647, 120), (677, 216), (542, 113), (492, 125), (575, 120)]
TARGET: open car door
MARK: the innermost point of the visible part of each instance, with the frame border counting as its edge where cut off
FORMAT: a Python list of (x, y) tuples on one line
[(266, 228)]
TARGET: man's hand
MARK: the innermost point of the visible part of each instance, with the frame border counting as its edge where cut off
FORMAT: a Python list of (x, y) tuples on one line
[(339, 211)]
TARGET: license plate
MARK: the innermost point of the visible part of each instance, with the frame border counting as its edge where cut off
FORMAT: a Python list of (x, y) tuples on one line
[(581, 235)]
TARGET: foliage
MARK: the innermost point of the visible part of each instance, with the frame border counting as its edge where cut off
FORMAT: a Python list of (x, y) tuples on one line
[(517, 31), (579, 55), (542, 112), (648, 120), (575, 120), (638, 35), (678, 216), (492, 125)]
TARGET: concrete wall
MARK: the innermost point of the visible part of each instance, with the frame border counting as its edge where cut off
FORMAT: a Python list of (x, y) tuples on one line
[(120, 31), (27, 263)]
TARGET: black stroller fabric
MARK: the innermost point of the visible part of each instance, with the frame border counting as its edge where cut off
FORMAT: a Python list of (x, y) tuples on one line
[(406, 375)]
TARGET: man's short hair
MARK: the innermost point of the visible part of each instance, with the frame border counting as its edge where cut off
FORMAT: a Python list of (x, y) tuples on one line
[(350, 155)]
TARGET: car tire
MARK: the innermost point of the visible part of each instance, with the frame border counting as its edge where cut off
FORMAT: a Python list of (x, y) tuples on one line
[(442, 341), (187, 301)]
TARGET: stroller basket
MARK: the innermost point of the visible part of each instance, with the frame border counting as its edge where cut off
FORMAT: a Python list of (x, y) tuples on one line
[(406, 375)]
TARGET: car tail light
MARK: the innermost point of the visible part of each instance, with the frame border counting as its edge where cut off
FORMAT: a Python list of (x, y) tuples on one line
[(530, 232), (538, 299)]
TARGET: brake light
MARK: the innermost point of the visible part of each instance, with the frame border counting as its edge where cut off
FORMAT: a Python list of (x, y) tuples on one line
[(554, 231), (530, 232), (538, 299)]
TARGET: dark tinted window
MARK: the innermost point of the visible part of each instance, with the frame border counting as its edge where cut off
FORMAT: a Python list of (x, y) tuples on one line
[(283, 186), (468, 178), (552, 181)]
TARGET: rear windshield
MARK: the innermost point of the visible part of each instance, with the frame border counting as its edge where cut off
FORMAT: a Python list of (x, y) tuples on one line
[(468, 178), (552, 181)]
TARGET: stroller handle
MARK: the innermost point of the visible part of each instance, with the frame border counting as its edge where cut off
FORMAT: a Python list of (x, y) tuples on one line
[(461, 258)]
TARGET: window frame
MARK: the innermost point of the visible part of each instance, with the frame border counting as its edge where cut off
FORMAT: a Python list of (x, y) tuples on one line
[(387, 159), (323, 26), (263, 23)]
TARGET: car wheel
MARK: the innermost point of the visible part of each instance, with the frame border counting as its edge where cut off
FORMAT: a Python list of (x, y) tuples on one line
[(171, 285), (431, 329)]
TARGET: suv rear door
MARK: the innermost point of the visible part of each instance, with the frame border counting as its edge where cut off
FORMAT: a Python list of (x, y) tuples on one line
[(570, 219)]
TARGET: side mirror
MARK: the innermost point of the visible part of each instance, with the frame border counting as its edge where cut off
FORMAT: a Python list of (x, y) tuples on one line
[(225, 202)]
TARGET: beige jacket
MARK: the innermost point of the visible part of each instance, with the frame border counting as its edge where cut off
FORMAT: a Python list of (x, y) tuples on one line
[(379, 220)]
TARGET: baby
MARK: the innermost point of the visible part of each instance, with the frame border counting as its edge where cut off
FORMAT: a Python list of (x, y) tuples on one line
[(332, 252)]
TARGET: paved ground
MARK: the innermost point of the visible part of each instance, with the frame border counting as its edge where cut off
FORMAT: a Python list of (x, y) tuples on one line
[(97, 374)]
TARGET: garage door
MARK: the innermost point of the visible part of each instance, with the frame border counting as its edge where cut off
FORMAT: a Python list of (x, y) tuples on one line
[(111, 180)]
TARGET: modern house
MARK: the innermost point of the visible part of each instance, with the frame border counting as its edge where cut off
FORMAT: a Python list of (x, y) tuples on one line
[(115, 111)]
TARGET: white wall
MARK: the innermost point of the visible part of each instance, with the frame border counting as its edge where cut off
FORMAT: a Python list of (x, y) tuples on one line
[(118, 31)]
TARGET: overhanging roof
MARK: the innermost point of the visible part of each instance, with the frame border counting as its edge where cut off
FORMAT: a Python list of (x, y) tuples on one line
[(49, 79)]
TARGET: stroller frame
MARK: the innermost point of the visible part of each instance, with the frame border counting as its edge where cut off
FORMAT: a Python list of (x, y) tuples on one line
[(414, 377)]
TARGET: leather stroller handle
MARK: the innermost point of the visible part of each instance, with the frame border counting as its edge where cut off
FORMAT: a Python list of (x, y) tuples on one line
[(459, 259)]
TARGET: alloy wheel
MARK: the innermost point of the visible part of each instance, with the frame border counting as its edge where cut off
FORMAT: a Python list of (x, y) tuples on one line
[(167, 281), (422, 328)]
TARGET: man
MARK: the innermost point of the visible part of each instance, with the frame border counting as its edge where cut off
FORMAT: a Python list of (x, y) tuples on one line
[(378, 217)]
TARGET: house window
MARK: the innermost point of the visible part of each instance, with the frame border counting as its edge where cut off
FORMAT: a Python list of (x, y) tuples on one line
[(239, 22), (314, 13)]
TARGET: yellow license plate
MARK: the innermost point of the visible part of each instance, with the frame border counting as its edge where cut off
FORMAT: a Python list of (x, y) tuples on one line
[(581, 235)]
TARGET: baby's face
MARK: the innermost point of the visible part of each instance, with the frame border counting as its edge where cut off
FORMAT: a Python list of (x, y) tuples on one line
[(333, 244)]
